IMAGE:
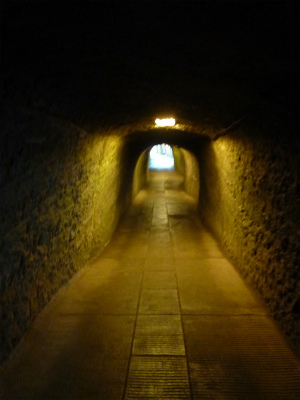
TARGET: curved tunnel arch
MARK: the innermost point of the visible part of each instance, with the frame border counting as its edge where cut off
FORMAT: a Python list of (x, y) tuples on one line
[(185, 163), (142, 140)]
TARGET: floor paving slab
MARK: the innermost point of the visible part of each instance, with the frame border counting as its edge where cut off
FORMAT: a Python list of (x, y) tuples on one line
[(213, 287), (160, 280), (159, 263), (239, 357), (159, 301), (159, 335), (158, 378)]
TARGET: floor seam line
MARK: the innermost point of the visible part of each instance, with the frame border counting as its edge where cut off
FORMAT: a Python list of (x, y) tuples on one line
[(181, 314), (135, 325)]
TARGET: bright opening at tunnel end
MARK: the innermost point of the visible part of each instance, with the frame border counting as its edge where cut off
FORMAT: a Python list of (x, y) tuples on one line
[(161, 157), (165, 122)]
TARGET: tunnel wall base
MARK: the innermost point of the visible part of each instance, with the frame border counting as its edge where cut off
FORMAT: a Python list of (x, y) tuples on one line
[(60, 203), (250, 201)]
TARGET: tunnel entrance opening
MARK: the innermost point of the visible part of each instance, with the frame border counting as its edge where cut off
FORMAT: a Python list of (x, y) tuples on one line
[(161, 157)]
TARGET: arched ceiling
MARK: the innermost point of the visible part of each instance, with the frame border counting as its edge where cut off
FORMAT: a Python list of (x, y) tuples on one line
[(111, 63), (181, 136)]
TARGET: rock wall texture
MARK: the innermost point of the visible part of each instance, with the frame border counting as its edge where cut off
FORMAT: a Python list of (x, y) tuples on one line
[(250, 198), (141, 172), (60, 202), (178, 160), (186, 164), (191, 174)]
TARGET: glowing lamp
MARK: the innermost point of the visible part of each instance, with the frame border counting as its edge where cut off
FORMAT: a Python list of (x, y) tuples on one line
[(165, 122)]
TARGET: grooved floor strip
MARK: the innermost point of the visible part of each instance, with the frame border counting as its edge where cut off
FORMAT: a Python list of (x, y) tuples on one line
[(159, 345), (158, 378), (239, 357), (158, 335)]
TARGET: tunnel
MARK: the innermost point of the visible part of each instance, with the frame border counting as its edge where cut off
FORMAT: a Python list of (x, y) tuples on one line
[(82, 84)]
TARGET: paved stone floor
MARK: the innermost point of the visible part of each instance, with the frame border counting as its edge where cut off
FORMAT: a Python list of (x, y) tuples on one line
[(161, 314)]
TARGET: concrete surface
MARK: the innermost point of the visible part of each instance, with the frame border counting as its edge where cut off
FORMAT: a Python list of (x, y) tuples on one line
[(160, 314)]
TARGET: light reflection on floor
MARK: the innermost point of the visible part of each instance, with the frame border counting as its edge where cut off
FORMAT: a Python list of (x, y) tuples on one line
[(161, 157)]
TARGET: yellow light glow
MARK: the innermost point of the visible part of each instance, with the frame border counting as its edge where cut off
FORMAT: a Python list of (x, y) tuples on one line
[(165, 122)]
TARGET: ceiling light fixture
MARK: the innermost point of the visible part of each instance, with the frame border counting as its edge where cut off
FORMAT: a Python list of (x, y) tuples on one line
[(165, 122)]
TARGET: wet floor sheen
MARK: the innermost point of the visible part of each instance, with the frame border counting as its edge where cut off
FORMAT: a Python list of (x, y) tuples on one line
[(161, 314)]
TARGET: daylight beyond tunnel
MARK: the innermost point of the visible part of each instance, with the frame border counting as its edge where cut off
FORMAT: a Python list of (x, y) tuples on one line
[(161, 157)]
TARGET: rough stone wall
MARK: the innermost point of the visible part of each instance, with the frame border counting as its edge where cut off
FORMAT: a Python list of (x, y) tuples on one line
[(250, 200), (60, 202), (141, 173), (187, 165), (179, 165), (191, 174)]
